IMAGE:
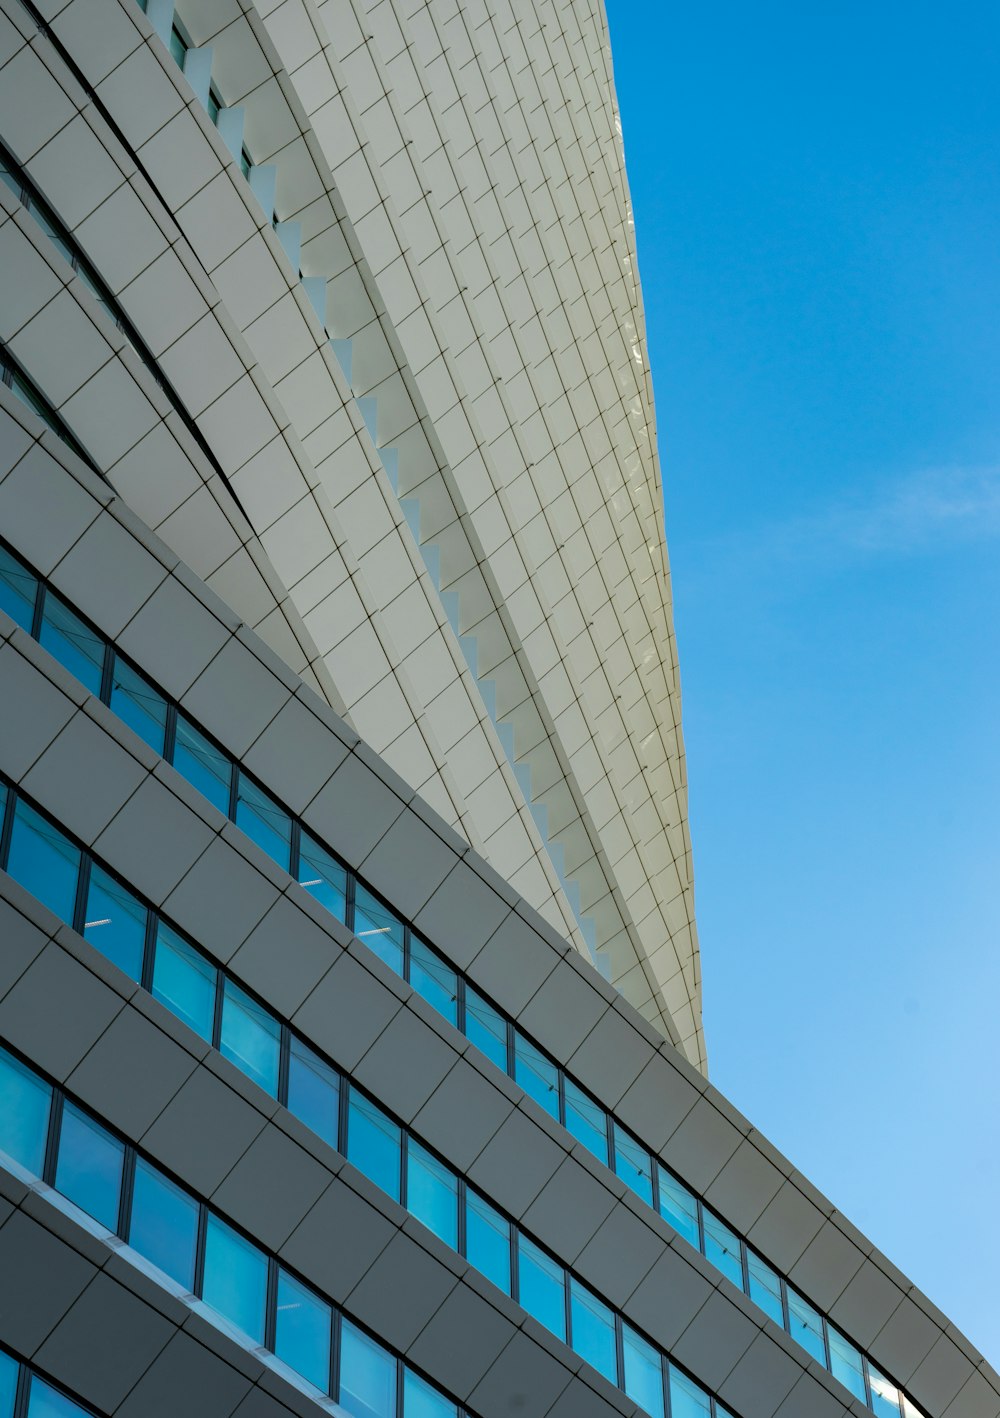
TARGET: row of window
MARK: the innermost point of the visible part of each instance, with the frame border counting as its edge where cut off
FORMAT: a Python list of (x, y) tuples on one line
[(219, 777), (19, 383), (80, 890), (257, 1299), (25, 1394)]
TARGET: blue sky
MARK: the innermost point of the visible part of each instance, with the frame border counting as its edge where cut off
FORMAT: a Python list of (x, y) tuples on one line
[(817, 205)]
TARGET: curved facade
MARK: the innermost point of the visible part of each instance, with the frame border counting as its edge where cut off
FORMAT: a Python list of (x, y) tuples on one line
[(350, 1028)]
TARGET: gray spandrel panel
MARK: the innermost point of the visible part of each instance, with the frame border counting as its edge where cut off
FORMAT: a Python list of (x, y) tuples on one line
[(826, 1266), (462, 914), (463, 1114), (408, 864), (272, 1188), (516, 1163), (295, 754), (339, 1240), (284, 957), (42, 1277), (715, 1340), (938, 1380), (108, 575), (461, 1340), (186, 1378), (221, 899), (761, 1380), (32, 711), (621, 1254), (203, 1132), (235, 697), (564, 1011), (668, 1298), (511, 967), (808, 1399), (57, 1011), (612, 1057), (570, 1210), (84, 778), (402, 1291), (43, 511), (657, 1102), (745, 1187), (347, 1012), (353, 811), (786, 1227), (867, 1303), (702, 1145), (154, 840), (132, 1072), (524, 1378), (23, 940), (174, 637), (405, 1064)]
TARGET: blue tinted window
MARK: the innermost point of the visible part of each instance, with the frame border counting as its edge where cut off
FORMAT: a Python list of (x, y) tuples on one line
[(202, 765), (593, 1330), (8, 1384), (678, 1206), (487, 1241), (367, 1376), (765, 1287), (686, 1399), (251, 1038), (135, 700), (235, 1283), (885, 1395), (485, 1028), (18, 589), (722, 1248), (805, 1326), (314, 1092), (433, 979), (323, 877), (89, 1167), (542, 1286), (46, 1402), (66, 637), (164, 1224), (586, 1120), (643, 1373), (432, 1193), (115, 922), (422, 1401), (24, 1114), (536, 1074), (43, 861), (379, 928), (374, 1144), (184, 981), (634, 1165), (264, 822), (302, 1334), (846, 1364)]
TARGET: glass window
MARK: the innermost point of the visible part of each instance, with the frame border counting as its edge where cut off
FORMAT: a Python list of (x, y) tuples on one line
[(765, 1287), (433, 979), (367, 1376), (264, 822), (485, 1028), (374, 1144), (379, 928), (18, 589), (115, 922), (43, 861), (722, 1248), (323, 877), (686, 1399), (536, 1074), (8, 1384), (846, 1364), (643, 1373), (251, 1038), (164, 1224), (184, 981), (46, 1402), (432, 1193), (593, 1330), (422, 1401), (885, 1396), (235, 1284), (178, 48), (25, 1101), (633, 1164), (487, 1241), (678, 1206), (89, 1167), (142, 707), (586, 1120), (314, 1092), (302, 1334), (542, 1286), (66, 637), (203, 765), (805, 1326)]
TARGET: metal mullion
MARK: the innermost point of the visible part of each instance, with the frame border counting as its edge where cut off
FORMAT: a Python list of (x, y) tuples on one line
[(234, 786), (561, 1089), (511, 1058), (7, 825), (336, 1336), (460, 1017), (404, 1157), (79, 920), (515, 1262), (217, 1012), (406, 952), (39, 611), (785, 1312), (284, 1061), (200, 1246), (620, 1348), (51, 1157), (343, 1114), (271, 1305), (128, 1185), (149, 950), (665, 1378), (170, 731), (745, 1266), (826, 1341), (349, 895), (107, 673), (399, 1387), (701, 1225), (868, 1382), (463, 1201), (294, 841), (21, 1391)]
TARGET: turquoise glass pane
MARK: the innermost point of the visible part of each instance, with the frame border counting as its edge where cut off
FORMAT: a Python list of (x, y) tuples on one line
[(379, 928), (164, 1224), (115, 922), (8, 1384), (374, 1143), (135, 701), (643, 1373), (541, 1286), (586, 1120), (235, 1283), (885, 1395), (765, 1287), (18, 588), (367, 1376), (487, 1241), (25, 1101), (422, 1401), (722, 1248), (433, 979), (264, 822), (66, 637), (44, 861), (46, 1402), (314, 1092), (432, 1193), (89, 1166), (184, 981), (203, 765), (250, 1038), (806, 1326), (178, 48), (536, 1074), (592, 1332), (846, 1364), (486, 1028), (678, 1206), (633, 1165), (302, 1333), (687, 1400), (323, 877)]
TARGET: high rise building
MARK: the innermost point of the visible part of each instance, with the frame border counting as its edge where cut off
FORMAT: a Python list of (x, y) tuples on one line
[(351, 1055)]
